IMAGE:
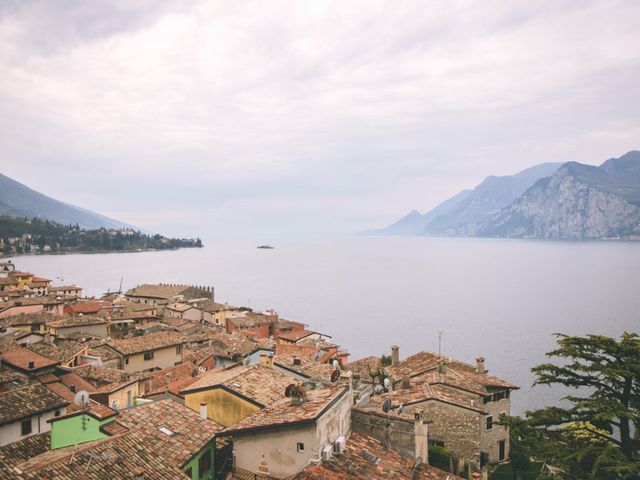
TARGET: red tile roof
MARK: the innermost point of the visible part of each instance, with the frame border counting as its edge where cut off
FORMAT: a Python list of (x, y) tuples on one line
[(20, 358)]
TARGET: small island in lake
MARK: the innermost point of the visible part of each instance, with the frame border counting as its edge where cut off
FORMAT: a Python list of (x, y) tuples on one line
[(19, 236), (266, 247)]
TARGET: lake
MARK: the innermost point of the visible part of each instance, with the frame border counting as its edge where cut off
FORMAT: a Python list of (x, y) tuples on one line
[(502, 299)]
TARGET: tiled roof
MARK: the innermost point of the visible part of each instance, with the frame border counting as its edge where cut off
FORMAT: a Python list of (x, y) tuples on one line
[(88, 307), (284, 412), (22, 450), (27, 400), (20, 358), (63, 352), (61, 288), (104, 375), (261, 384), (137, 447), (212, 307), (424, 362), (145, 343), (166, 292), (364, 367), (295, 335), (28, 319), (169, 375), (382, 464), (77, 322), (307, 367), (95, 409), (423, 392), (113, 387)]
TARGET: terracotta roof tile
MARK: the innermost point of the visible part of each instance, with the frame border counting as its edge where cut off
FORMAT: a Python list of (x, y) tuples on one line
[(306, 367), (20, 358), (145, 343), (285, 412), (27, 400)]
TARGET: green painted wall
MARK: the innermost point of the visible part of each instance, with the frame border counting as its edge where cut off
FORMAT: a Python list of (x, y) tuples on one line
[(193, 463), (69, 431)]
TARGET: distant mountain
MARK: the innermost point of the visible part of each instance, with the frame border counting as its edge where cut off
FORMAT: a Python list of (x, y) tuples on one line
[(577, 202), (487, 199), (414, 222), (19, 200), (469, 206)]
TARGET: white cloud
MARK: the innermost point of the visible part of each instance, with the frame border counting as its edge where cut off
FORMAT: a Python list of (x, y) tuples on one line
[(379, 106)]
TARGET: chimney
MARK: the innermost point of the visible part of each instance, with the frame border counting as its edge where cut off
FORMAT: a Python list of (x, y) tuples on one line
[(480, 367), (395, 355), (297, 361), (32, 364), (420, 438), (213, 297), (266, 360), (203, 411), (442, 367), (406, 382)]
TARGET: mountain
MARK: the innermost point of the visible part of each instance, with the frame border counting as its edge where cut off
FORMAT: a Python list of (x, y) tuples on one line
[(19, 200), (414, 222), (487, 199), (577, 202)]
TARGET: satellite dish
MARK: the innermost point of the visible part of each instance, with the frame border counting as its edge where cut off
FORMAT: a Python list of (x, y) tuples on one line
[(400, 409), (386, 406), (387, 384), (335, 376), (336, 364), (81, 399)]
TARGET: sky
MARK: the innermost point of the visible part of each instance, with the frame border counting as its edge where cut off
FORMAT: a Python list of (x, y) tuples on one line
[(242, 118)]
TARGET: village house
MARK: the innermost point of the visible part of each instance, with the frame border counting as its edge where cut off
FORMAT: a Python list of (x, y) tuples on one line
[(149, 352), (283, 438), (162, 295), (117, 395), (26, 306), (156, 440), (27, 362), (462, 402), (24, 411), (66, 292), (85, 325), (303, 368), (20, 337), (237, 392), (363, 456), (66, 354)]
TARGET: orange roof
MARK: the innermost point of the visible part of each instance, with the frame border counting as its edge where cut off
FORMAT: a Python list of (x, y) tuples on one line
[(21, 357)]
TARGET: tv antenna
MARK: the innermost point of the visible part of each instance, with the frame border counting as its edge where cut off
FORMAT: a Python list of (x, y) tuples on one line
[(81, 399), (440, 343)]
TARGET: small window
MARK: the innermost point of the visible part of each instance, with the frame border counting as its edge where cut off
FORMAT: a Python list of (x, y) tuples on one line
[(300, 447), (57, 413), (177, 363), (489, 422), (148, 355), (179, 349), (26, 426), (502, 448), (126, 361)]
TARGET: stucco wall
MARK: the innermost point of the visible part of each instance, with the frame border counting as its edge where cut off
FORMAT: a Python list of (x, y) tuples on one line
[(96, 330), (222, 406), (280, 446), (77, 429), (122, 396), (397, 431), (12, 432), (489, 438), (163, 358)]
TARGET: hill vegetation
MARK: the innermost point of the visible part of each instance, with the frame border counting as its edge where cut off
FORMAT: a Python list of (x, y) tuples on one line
[(24, 236)]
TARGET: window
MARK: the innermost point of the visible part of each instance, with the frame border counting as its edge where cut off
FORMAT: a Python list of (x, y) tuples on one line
[(26, 426), (300, 447), (435, 443), (57, 413), (177, 363), (178, 349), (148, 355), (204, 464), (126, 361), (489, 422), (502, 446)]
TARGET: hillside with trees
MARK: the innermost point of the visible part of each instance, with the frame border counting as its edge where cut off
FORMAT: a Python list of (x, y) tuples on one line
[(28, 236)]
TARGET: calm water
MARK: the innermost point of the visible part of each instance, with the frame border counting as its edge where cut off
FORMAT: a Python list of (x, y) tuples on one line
[(502, 299)]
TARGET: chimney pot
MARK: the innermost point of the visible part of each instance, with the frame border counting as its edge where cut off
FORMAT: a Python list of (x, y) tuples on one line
[(203, 411), (480, 365), (395, 355)]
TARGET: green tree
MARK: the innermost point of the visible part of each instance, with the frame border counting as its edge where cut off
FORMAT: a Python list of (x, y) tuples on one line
[(596, 435)]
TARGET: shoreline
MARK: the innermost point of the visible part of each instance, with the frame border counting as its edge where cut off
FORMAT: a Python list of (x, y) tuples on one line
[(96, 252)]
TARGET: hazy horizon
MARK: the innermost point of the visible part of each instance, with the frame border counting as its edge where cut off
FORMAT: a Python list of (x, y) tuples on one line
[(231, 119)]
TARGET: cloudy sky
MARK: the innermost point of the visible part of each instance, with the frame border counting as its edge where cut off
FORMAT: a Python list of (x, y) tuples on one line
[(305, 116)]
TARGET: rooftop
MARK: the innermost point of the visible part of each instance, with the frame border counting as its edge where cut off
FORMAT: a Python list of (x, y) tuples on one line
[(306, 367), (76, 322), (145, 343), (21, 357), (378, 463), (261, 384), (28, 400), (284, 412), (63, 352)]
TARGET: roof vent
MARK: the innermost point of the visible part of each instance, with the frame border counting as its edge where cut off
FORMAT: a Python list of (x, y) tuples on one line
[(32, 364), (297, 361), (166, 431), (370, 457)]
